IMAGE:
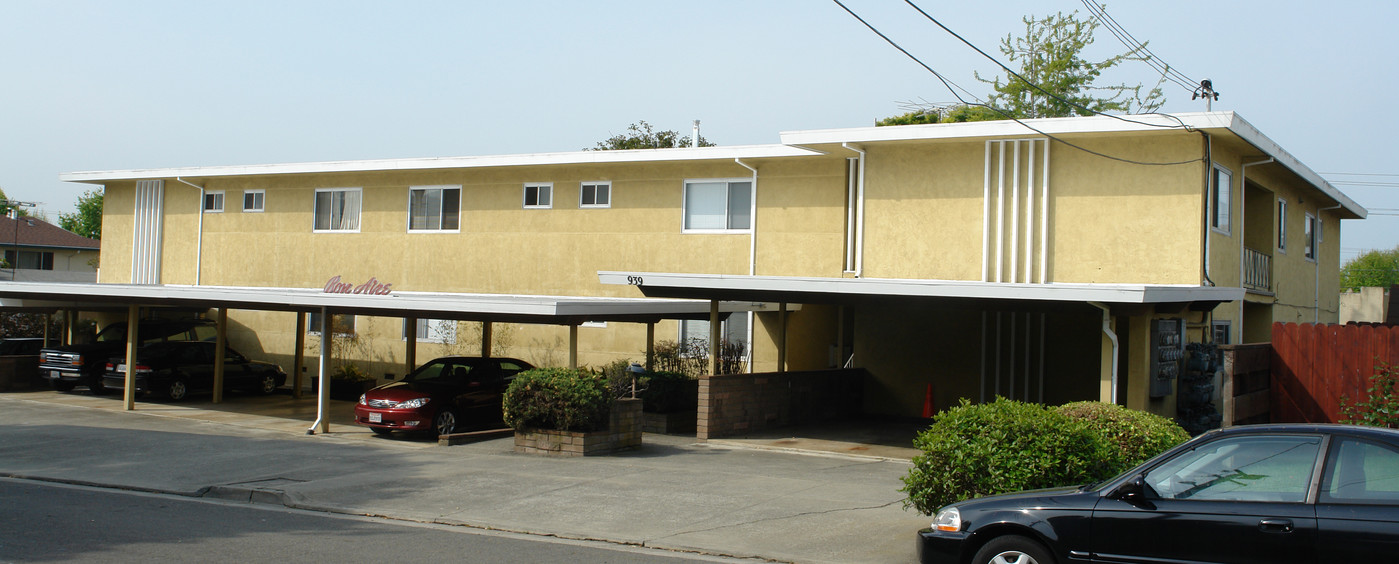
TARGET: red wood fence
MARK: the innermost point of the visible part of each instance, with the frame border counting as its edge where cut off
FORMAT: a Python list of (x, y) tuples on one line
[(1314, 366)]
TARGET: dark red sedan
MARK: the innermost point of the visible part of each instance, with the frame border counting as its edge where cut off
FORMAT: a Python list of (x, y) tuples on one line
[(441, 397)]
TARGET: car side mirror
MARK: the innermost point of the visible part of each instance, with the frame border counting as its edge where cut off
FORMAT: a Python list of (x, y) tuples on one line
[(1133, 491)]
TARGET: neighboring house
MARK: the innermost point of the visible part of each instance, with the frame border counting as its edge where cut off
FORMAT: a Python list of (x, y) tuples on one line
[(1369, 305), (1069, 261), (38, 251)]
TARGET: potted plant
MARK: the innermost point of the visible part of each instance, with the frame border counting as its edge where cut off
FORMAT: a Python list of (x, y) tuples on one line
[(348, 381)]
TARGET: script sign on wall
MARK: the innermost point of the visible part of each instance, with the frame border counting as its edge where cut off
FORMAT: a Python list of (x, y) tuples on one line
[(373, 287)]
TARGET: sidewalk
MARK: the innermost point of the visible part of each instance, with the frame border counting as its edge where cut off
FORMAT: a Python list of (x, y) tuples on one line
[(673, 493)]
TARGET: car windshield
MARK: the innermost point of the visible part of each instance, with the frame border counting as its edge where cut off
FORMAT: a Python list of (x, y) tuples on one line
[(435, 371)]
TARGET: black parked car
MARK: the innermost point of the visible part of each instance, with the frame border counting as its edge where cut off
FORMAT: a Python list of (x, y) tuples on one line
[(441, 397), (84, 364), (1270, 494), (176, 369)]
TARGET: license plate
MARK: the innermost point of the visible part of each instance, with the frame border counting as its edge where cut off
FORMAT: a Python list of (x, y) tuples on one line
[(376, 418), (54, 374)]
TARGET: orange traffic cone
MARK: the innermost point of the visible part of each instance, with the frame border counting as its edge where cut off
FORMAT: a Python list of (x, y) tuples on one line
[(928, 403)]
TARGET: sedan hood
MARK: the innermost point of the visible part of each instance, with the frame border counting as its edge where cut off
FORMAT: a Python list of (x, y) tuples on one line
[(1048, 496), (394, 391)]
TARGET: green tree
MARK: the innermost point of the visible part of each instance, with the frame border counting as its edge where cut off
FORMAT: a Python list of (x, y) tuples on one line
[(87, 221), (640, 135), (5, 206), (1054, 79), (1374, 268)]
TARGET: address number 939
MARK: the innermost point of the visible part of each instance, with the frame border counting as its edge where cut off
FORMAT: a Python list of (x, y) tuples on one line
[(634, 280)]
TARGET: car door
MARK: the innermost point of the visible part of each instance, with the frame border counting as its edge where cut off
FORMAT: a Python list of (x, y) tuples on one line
[(1240, 499), (1357, 508), (235, 371), (196, 360)]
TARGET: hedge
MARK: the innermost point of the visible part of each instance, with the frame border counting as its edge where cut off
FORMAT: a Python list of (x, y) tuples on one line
[(557, 398)]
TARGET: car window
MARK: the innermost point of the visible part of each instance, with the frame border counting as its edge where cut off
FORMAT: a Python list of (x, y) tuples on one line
[(112, 333), (1256, 468), (510, 368), (464, 373), (430, 372), (230, 355), (1361, 472), (203, 333)]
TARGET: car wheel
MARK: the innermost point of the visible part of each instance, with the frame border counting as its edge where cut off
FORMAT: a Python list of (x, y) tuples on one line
[(95, 384), (380, 430), (1013, 549), (177, 389), (267, 385), (445, 422), (62, 386)]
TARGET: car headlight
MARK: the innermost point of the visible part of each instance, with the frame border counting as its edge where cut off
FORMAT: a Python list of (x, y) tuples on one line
[(362, 401), (412, 403), (948, 520)]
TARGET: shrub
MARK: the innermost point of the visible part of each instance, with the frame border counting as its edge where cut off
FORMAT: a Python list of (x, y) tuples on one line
[(1381, 406), (557, 398), (1134, 436), (998, 447), (667, 392)]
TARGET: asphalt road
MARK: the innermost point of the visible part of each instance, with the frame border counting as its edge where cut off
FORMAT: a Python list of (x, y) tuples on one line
[(42, 522)]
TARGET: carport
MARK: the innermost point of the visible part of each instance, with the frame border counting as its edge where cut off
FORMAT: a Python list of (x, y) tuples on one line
[(570, 311)]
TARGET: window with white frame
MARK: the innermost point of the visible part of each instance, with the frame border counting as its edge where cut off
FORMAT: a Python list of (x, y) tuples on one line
[(718, 205), (253, 200), (1310, 238), (539, 196), (1221, 185), (213, 201), (442, 331), (595, 195), (1220, 332), (434, 208), (341, 324), (1282, 225), (733, 330), (337, 209)]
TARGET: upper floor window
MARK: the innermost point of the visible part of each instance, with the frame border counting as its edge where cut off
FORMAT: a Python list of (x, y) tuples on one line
[(595, 195), (1282, 224), (718, 205), (213, 201), (337, 209), (540, 196), (1310, 237), (253, 200), (434, 208), (1221, 183)]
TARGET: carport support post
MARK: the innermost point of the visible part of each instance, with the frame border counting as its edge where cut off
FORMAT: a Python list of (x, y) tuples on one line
[(410, 334), (782, 336), (300, 357), (70, 318), (714, 336), (650, 346), (323, 392), (220, 345), (133, 323), (573, 346), (487, 330)]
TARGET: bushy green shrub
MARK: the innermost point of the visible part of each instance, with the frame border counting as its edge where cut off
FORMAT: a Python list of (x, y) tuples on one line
[(557, 398), (1380, 407), (1134, 436), (667, 392)]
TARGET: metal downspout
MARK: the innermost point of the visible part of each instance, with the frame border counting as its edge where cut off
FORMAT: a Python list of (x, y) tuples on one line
[(752, 251), (1205, 209), (1316, 284), (323, 392), (199, 242), (1107, 330), (860, 218), (1243, 217)]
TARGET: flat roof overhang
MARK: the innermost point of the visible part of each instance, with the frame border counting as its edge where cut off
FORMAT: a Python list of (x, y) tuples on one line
[(789, 289), (558, 310)]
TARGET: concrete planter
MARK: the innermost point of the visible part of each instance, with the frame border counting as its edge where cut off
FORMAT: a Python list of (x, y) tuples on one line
[(623, 432)]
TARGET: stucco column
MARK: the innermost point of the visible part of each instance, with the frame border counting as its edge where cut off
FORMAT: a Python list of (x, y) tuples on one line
[(133, 323), (573, 346), (1105, 364), (1136, 373), (220, 345)]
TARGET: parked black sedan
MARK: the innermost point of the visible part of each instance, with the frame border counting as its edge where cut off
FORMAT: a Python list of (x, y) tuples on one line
[(175, 369), (441, 397), (1271, 494)]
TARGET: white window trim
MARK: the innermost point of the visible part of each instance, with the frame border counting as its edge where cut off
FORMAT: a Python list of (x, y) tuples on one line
[(1281, 242), (359, 212), (524, 195), (752, 204), (409, 224), (247, 209), (606, 183), (1314, 241), (424, 337), (1214, 201), (207, 193), (313, 328)]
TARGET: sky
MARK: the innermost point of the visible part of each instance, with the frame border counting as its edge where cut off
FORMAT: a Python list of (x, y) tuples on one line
[(116, 85)]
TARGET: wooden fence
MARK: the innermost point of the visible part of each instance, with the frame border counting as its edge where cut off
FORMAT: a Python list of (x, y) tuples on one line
[(1314, 366)]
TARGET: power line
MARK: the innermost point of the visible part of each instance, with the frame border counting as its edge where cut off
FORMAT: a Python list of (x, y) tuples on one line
[(1135, 45), (1007, 115)]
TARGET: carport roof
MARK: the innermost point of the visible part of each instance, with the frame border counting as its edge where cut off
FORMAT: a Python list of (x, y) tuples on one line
[(562, 310), (834, 290)]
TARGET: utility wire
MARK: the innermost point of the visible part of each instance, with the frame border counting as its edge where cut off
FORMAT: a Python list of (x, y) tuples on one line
[(1004, 113), (1132, 43), (1032, 84)]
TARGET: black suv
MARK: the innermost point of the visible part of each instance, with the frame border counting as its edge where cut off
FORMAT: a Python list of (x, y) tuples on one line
[(73, 365)]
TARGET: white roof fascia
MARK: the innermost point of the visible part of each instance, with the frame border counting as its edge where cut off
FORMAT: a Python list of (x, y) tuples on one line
[(312, 299), (433, 163), (1056, 292), (1093, 124)]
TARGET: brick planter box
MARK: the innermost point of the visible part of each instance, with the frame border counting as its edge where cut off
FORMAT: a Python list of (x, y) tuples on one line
[(673, 423), (623, 432)]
